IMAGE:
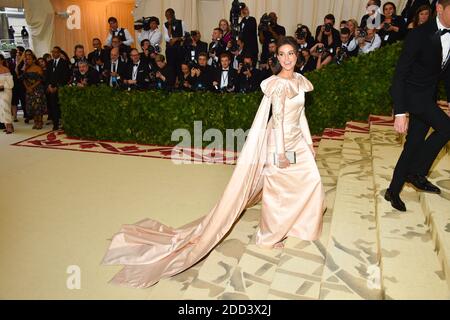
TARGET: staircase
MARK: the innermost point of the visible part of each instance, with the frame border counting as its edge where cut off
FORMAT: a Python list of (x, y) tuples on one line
[(367, 250)]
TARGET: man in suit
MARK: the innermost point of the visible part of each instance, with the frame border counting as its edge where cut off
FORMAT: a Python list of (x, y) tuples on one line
[(249, 33), (138, 73), (411, 8), (57, 75), (85, 75), (225, 78), (116, 69), (249, 78), (216, 48), (174, 31), (202, 77), (423, 62), (98, 54)]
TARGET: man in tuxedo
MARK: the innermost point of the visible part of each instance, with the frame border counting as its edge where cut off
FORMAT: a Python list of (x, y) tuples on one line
[(116, 69), (411, 7), (57, 75), (423, 62), (138, 73), (249, 33), (98, 54), (225, 79)]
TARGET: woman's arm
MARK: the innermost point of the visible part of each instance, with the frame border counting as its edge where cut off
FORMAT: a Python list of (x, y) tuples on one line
[(278, 101)]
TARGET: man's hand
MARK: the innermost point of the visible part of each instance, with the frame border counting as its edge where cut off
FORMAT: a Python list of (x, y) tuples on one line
[(401, 124)]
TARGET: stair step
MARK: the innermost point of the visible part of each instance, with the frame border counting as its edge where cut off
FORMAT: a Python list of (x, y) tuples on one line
[(411, 268), (352, 266), (299, 272), (436, 209)]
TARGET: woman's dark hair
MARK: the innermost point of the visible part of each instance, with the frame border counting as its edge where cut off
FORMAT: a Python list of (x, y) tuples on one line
[(418, 12), (392, 4), (282, 42)]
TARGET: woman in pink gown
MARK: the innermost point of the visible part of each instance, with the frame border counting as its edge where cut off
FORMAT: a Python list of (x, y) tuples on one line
[(292, 194)]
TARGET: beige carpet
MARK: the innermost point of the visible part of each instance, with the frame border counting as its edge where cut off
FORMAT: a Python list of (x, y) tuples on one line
[(58, 208)]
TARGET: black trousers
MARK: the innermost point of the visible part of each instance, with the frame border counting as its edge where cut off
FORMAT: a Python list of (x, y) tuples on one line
[(420, 152), (54, 111)]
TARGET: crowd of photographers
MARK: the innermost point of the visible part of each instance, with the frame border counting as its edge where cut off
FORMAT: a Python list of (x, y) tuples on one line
[(230, 62)]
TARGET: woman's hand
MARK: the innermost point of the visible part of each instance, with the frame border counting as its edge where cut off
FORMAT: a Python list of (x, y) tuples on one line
[(283, 161)]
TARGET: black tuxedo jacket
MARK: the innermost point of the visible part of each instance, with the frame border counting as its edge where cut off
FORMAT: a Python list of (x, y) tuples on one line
[(419, 70), (122, 70), (232, 77), (143, 75), (249, 32), (103, 54), (60, 76)]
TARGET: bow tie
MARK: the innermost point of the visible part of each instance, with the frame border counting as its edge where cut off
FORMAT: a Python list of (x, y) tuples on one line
[(136, 65), (444, 31), (225, 70)]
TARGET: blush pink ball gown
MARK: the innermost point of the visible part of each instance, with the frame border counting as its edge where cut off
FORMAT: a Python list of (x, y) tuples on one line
[(292, 199)]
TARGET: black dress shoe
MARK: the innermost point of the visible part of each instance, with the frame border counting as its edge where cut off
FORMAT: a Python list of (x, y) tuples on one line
[(422, 184), (395, 201)]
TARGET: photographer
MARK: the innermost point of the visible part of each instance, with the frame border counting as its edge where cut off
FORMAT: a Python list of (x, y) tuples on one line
[(184, 79), (225, 79), (349, 44), (323, 55), (216, 48), (368, 41), (393, 27), (122, 33), (137, 76), (150, 32), (306, 63), (238, 55), (249, 78), (99, 52), (269, 29), (124, 51), (85, 75), (202, 74), (304, 37), (174, 31), (165, 75), (148, 54), (268, 69), (116, 69), (248, 27), (327, 34), (193, 46)]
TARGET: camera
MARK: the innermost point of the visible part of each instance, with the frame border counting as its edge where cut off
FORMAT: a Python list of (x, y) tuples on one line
[(265, 22), (386, 26), (341, 55), (144, 23), (246, 67), (362, 33), (328, 27)]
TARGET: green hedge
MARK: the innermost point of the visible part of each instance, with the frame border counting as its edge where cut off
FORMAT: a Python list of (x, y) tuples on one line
[(349, 92)]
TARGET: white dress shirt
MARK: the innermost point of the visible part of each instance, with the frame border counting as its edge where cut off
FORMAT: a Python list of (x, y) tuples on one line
[(127, 42), (224, 78), (154, 36), (445, 40), (372, 45)]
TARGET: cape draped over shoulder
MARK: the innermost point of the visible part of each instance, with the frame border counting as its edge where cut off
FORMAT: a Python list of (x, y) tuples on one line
[(150, 251)]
